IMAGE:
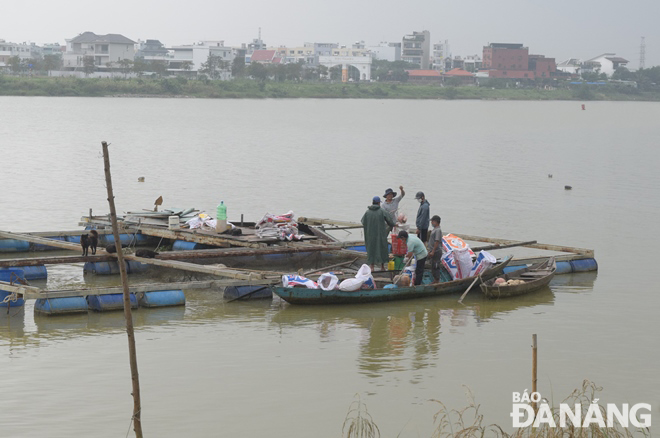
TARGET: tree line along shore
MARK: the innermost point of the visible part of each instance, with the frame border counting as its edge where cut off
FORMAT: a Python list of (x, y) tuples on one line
[(261, 89)]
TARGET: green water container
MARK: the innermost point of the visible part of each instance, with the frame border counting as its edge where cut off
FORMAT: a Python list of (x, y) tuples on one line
[(221, 218)]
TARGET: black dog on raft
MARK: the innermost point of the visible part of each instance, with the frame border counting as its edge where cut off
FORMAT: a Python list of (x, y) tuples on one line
[(90, 240)]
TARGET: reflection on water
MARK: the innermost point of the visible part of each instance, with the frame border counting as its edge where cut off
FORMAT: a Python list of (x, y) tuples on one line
[(404, 334)]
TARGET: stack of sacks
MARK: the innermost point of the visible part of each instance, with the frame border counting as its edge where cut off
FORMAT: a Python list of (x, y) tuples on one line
[(202, 220), (297, 280), (283, 227), (459, 264)]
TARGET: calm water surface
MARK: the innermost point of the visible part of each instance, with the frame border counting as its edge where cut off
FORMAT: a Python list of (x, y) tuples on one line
[(269, 369)]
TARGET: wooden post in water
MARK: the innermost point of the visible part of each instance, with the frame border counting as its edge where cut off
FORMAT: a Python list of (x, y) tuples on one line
[(137, 423), (534, 404)]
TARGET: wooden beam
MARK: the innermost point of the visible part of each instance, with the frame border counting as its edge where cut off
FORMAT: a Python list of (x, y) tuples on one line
[(138, 288), (19, 288), (543, 246), (42, 240), (319, 221), (203, 237)]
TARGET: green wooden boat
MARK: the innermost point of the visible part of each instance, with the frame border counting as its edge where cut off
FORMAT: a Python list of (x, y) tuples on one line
[(301, 295)]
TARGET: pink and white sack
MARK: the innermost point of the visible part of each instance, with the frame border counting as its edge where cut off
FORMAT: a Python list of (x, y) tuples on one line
[(297, 280)]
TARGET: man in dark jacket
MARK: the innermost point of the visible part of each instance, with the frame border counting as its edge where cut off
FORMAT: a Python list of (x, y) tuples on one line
[(423, 217), (375, 222)]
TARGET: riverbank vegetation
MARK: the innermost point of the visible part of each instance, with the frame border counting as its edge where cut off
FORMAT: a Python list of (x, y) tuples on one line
[(270, 88), (469, 421)]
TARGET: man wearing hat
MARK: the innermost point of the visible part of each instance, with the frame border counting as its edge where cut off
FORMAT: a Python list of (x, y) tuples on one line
[(375, 222), (423, 215), (391, 204)]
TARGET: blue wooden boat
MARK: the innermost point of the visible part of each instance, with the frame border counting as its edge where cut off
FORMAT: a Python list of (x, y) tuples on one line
[(301, 295)]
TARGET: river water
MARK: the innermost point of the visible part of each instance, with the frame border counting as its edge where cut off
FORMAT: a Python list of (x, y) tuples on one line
[(269, 369)]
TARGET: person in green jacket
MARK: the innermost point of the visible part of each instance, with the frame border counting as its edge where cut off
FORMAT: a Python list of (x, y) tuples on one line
[(375, 222)]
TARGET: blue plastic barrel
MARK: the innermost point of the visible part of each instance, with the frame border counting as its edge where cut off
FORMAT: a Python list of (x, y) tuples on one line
[(125, 239), (513, 268), (564, 268), (41, 247), (136, 267), (102, 268), (249, 292), (182, 245), (73, 239), (584, 265), (11, 245), (6, 276), (103, 303), (61, 306), (163, 298), (35, 272)]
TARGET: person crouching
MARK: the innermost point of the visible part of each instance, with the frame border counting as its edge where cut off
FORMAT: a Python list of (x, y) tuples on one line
[(415, 248)]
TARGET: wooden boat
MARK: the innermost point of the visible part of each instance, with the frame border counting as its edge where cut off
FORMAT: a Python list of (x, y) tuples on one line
[(300, 295), (533, 277)]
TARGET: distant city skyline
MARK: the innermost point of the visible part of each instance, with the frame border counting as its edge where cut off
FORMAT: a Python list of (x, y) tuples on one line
[(561, 29)]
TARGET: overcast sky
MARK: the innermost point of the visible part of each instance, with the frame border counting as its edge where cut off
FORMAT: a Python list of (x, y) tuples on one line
[(555, 28)]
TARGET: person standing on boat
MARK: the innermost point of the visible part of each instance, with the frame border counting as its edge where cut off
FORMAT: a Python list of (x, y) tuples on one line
[(423, 214), (435, 248), (415, 248), (375, 222), (391, 204)]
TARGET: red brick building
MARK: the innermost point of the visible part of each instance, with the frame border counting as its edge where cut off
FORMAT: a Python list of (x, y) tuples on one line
[(513, 61), (542, 67)]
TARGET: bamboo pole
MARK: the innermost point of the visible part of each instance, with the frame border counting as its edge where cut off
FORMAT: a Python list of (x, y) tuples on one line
[(137, 423), (534, 363)]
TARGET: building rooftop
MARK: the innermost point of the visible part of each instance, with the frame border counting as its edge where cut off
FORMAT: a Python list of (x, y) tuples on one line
[(458, 72), (423, 73), (262, 55), (91, 37)]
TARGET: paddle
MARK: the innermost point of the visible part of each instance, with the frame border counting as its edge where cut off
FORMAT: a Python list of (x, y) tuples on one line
[(248, 294), (468, 289)]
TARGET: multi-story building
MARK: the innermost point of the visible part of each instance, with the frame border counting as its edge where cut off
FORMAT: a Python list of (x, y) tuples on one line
[(440, 52), (24, 51), (542, 67), (191, 57), (106, 50), (606, 63), (416, 49), (150, 49), (386, 51), (513, 61)]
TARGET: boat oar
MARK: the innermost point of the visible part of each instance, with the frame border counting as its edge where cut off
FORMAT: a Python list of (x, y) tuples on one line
[(396, 278), (468, 289), (248, 294)]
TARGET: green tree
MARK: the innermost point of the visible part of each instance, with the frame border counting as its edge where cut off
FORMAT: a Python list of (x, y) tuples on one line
[(323, 71), (238, 67), (623, 74), (258, 71), (186, 65), (214, 66), (89, 66), (52, 62), (159, 67), (15, 64), (140, 66), (126, 65)]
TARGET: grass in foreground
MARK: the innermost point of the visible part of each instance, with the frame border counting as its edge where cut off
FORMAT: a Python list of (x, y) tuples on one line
[(468, 422)]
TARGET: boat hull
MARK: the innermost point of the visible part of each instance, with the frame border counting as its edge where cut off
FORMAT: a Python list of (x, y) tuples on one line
[(298, 295), (491, 291)]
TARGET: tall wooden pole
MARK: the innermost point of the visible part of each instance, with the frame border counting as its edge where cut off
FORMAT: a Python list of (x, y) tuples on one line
[(534, 404), (137, 423)]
